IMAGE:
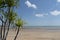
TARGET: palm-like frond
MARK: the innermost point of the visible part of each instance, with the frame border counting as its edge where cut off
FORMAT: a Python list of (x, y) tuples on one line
[(11, 16), (11, 3), (19, 23)]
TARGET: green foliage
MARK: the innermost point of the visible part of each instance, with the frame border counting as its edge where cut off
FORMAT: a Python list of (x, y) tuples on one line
[(19, 23), (11, 3), (1, 1), (11, 16)]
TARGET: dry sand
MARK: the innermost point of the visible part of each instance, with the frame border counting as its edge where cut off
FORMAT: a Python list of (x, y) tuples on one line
[(35, 34)]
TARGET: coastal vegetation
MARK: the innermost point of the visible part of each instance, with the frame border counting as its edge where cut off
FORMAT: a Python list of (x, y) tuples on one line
[(8, 17)]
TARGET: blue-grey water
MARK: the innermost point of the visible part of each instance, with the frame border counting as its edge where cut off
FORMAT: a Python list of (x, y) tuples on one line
[(48, 28)]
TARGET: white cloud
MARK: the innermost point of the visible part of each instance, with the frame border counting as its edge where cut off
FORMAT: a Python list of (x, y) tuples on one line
[(29, 4), (40, 15), (55, 12), (58, 0), (34, 6)]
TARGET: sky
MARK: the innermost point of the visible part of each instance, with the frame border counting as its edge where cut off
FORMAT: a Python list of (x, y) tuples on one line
[(40, 12)]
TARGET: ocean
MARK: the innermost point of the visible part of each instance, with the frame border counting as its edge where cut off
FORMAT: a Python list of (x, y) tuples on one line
[(48, 28)]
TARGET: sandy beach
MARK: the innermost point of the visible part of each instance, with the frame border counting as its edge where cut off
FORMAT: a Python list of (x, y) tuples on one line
[(35, 34)]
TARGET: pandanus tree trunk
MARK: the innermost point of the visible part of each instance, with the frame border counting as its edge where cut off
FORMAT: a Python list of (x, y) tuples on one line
[(7, 31), (4, 29), (8, 25), (17, 33), (1, 28), (5, 35)]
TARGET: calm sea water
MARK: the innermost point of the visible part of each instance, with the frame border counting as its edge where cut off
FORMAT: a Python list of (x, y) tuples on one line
[(42, 28)]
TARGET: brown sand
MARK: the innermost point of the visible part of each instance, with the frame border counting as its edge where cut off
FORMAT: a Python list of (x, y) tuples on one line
[(40, 34)]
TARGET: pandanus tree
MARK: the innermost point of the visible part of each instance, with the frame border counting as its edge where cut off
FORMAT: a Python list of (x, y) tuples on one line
[(8, 17), (1, 19), (7, 6), (10, 5), (19, 23), (11, 17)]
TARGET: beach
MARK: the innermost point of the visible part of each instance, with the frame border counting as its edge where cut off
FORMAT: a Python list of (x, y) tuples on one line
[(35, 34)]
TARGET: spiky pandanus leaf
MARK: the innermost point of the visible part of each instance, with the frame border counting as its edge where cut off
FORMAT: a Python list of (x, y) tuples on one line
[(12, 16), (11, 3), (19, 23)]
